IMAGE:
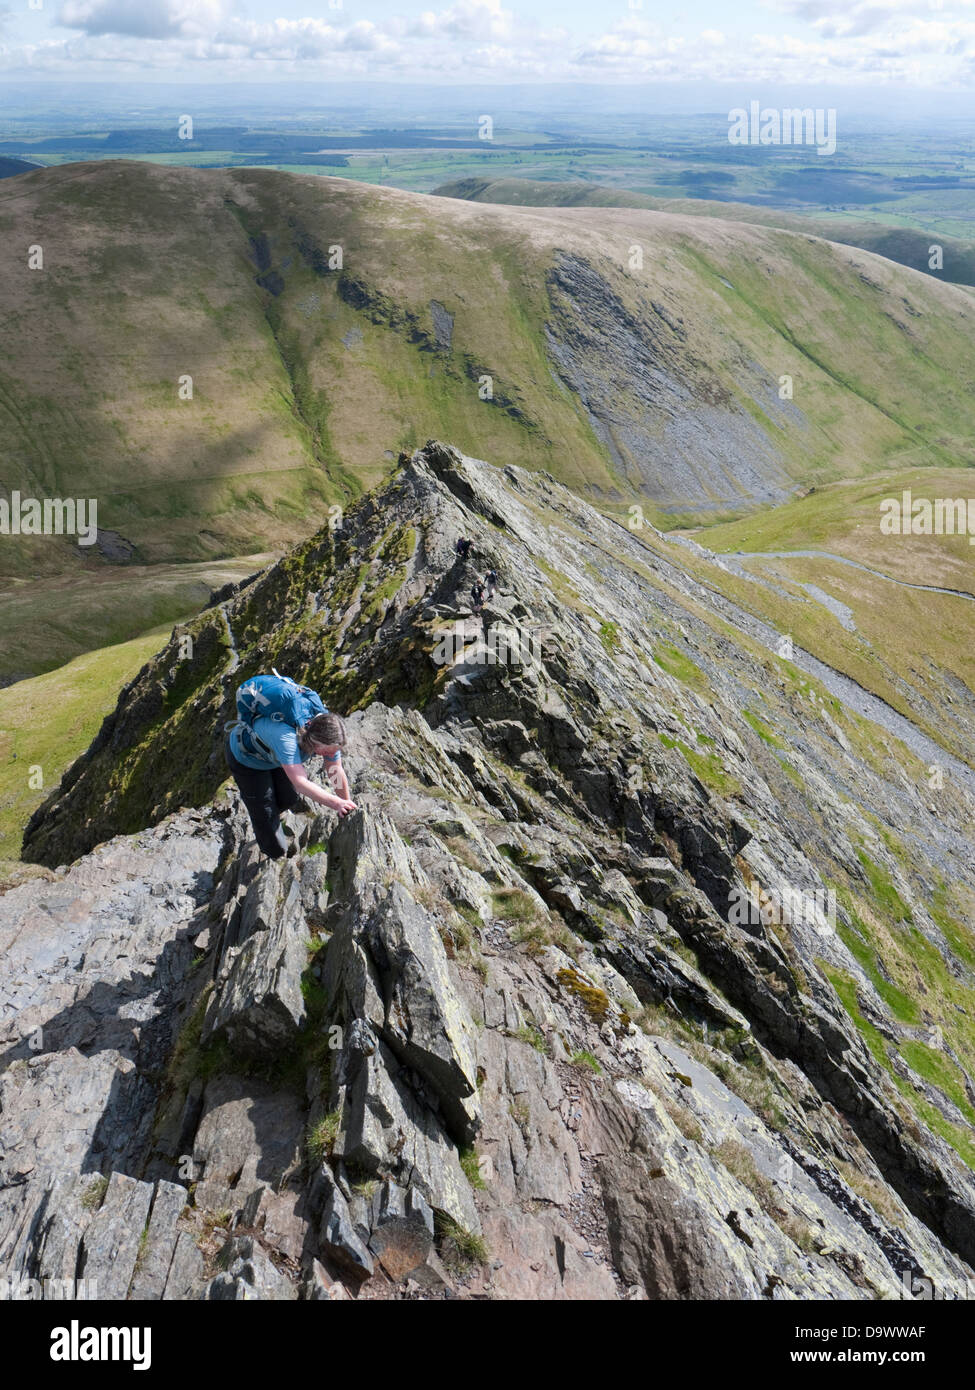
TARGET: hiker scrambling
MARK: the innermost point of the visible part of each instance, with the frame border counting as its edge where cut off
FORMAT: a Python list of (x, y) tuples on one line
[(463, 546), (280, 724), (491, 583), (477, 595)]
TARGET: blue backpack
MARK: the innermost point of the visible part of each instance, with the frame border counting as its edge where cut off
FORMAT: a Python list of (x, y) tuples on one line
[(273, 697)]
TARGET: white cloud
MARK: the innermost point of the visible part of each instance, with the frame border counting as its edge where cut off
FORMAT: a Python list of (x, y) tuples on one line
[(144, 19), (828, 40), (838, 18)]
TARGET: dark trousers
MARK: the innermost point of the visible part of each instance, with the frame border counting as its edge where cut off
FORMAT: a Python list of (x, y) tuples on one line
[(266, 795)]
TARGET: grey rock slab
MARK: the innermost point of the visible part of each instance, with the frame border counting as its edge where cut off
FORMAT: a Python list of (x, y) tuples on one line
[(186, 1272), (258, 1003), (156, 1253), (249, 1136), (339, 1240), (249, 1273), (537, 1256), (280, 1217), (110, 1246), (53, 1111), (426, 1023), (42, 1226), (387, 1127)]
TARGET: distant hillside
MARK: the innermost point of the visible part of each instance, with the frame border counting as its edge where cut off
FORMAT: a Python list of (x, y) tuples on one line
[(910, 246), (322, 326), (10, 167)]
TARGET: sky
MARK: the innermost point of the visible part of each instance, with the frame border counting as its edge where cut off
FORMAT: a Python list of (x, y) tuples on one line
[(921, 44)]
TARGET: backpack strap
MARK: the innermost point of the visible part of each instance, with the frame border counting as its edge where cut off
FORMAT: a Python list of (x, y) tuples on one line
[(249, 741)]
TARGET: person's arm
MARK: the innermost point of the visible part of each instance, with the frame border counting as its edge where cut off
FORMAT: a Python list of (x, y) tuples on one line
[(338, 779), (302, 784)]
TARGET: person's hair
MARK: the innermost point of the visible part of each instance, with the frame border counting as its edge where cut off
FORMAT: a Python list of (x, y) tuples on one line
[(324, 728)]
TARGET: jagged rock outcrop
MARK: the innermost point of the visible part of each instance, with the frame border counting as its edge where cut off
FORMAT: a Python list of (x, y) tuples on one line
[(502, 1032)]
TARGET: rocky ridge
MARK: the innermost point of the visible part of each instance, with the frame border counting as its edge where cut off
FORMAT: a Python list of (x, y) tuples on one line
[(500, 1034)]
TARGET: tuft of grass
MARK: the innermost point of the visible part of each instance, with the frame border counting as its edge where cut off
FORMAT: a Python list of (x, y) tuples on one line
[(685, 1120), (585, 1059), (469, 1163), (529, 1034), (461, 848), (322, 1136), (889, 901), (460, 1250), (514, 905), (143, 1247), (610, 637), (458, 932), (594, 1001), (677, 664), (95, 1193), (763, 730), (217, 1220), (532, 935), (878, 1196), (540, 932), (365, 1187), (800, 1233)]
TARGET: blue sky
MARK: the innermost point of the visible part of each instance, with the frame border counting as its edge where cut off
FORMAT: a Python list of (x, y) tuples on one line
[(856, 43)]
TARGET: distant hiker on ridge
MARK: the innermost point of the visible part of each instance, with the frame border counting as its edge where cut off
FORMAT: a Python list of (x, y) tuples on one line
[(280, 724)]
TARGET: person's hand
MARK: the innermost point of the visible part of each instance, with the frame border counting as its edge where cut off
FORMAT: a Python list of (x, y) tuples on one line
[(344, 807)]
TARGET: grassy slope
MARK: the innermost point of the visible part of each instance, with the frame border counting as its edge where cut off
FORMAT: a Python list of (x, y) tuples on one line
[(845, 518), (51, 620), (46, 722), (907, 645), (872, 349), (149, 274), (917, 636), (908, 246), (145, 280), (374, 389)]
